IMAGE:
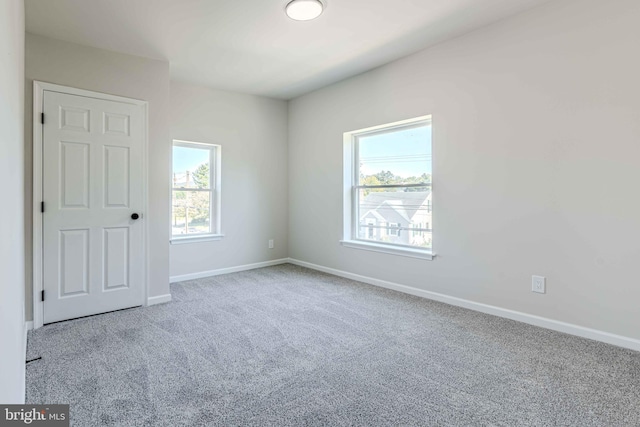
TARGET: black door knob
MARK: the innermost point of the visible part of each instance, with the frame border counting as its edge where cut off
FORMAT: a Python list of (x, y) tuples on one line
[(135, 216)]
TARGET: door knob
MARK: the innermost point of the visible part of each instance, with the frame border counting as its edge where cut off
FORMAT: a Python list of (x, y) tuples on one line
[(135, 216)]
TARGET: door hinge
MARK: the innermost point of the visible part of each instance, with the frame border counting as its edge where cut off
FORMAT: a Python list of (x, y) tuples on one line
[(42, 118), (42, 296), (42, 207)]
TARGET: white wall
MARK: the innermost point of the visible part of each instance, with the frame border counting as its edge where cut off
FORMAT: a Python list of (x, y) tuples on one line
[(12, 326), (536, 151), (113, 73), (253, 134)]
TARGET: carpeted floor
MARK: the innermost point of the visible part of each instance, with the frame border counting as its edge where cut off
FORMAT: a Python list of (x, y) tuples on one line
[(284, 346)]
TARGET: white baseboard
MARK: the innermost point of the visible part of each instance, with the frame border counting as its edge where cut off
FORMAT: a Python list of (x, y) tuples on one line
[(210, 273), (568, 328), (160, 299)]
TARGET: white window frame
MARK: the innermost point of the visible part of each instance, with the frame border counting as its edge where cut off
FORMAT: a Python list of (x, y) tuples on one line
[(350, 193), (215, 187)]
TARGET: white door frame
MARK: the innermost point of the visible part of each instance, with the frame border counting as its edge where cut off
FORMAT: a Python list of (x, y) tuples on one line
[(38, 256)]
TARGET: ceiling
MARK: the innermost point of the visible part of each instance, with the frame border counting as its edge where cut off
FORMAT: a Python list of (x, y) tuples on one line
[(251, 46)]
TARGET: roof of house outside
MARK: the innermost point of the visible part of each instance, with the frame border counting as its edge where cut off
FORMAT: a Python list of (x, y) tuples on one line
[(394, 206)]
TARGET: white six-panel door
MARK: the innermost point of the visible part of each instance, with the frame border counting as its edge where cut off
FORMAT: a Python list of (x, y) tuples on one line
[(92, 185)]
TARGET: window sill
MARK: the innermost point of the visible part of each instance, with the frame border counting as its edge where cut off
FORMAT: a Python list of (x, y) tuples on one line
[(196, 239), (388, 249)]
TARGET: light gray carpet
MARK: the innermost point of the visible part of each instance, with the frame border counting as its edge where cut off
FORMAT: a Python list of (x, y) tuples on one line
[(286, 346)]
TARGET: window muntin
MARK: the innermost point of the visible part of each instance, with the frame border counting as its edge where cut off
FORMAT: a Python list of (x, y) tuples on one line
[(391, 185), (195, 189)]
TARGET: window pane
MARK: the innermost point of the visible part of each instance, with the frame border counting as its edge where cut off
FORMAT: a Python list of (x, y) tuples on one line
[(191, 212), (397, 157), (191, 167), (400, 216)]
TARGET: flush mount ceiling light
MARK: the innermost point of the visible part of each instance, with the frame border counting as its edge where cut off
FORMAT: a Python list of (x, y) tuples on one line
[(304, 10)]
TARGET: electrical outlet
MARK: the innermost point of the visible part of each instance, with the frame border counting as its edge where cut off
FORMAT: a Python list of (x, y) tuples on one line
[(270, 243), (539, 284)]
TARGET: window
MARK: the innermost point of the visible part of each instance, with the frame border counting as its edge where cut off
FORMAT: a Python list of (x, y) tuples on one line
[(394, 229), (388, 178), (370, 224), (195, 200)]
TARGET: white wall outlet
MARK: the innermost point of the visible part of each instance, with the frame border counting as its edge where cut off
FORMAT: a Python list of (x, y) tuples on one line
[(539, 284), (270, 243)]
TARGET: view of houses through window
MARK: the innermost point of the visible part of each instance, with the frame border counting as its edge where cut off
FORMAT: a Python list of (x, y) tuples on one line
[(392, 196), (193, 185)]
